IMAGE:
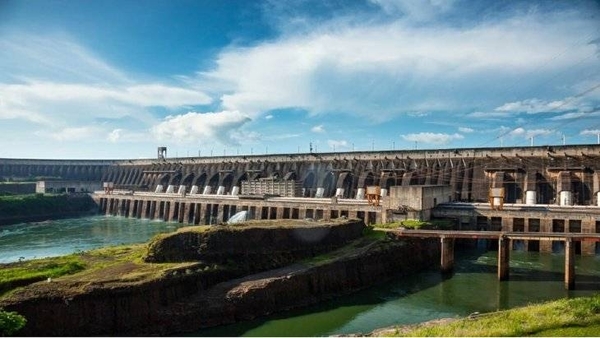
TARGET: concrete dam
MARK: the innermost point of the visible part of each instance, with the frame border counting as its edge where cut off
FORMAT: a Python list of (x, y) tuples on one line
[(544, 188)]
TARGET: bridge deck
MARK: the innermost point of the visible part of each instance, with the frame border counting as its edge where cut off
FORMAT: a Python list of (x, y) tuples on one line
[(541, 236)]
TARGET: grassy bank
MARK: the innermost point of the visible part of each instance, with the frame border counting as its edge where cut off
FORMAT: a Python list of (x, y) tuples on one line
[(564, 317)]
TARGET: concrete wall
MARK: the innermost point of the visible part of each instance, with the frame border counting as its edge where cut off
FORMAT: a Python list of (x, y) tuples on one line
[(67, 186)]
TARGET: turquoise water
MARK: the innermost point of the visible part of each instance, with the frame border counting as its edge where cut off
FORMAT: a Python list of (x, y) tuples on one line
[(65, 236), (473, 287)]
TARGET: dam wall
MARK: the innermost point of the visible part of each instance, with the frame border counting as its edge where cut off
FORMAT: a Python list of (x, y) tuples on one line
[(564, 175)]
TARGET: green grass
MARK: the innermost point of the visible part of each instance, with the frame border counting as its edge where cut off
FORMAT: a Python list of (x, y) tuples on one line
[(564, 317), (416, 224), (15, 275)]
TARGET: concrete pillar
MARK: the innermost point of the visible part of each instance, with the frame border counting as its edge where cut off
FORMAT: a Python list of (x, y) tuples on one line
[(221, 190), (352, 214), (186, 213), (339, 192), (598, 198), (507, 224), (194, 190), (569, 264), (170, 214), (302, 213), (447, 251), (383, 192), (588, 226), (170, 189), (279, 213), (181, 190), (220, 213), (235, 190), (566, 198), (159, 189), (144, 211), (320, 192), (207, 190), (545, 226), (530, 197), (503, 258), (360, 194)]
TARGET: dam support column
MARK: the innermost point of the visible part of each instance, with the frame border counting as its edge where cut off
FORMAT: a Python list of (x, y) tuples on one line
[(503, 258), (447, 251), (569, 264)]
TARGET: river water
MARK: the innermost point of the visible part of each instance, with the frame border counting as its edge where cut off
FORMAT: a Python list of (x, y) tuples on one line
[(65, 236), (472, 287)]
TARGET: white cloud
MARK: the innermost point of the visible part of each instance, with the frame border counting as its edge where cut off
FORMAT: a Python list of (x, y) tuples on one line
[(417, 10), (337, 144), (318, 129), (432, 138), (535, 106), (590, 132), (531, 132), (466, 130), (268, 117), (194, 127), (73, 133), (114, 135), (382, 69)]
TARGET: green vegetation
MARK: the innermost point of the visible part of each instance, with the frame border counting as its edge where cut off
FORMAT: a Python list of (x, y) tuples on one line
[(40, 204), (564, 317), (414, 224), (10, 322), (15, 275)]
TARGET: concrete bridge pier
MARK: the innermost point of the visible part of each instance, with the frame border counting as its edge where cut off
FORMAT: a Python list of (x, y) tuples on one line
[(569, 264), (503, 258), (447, 253)]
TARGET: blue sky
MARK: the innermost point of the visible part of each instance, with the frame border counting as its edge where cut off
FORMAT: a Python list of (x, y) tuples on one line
[(117, 79)]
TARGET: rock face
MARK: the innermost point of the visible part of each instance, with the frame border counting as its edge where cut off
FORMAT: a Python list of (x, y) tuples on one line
[(260, 244), (183, 301)]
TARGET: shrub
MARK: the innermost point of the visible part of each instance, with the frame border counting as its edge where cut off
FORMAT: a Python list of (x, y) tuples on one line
[(10, 322)]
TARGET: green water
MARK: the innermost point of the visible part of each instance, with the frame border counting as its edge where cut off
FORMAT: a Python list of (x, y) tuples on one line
[(473, 287), (65, 236)]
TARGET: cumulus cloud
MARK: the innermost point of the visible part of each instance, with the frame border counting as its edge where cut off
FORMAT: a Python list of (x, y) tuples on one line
[(395, 67), (318, 129), (193, 126), (268, 117), (432, 138), (466, 130)]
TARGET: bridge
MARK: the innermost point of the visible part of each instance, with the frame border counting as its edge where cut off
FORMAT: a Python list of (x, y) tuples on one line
[(447, 238)]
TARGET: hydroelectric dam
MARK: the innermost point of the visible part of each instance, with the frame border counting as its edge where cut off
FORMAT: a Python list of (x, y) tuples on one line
[(547, 189)]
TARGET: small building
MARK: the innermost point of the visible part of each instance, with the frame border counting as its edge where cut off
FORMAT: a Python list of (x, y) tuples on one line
[(271, 186), (58, 187), (414, 201)]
